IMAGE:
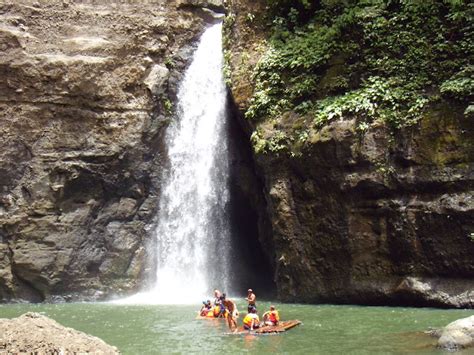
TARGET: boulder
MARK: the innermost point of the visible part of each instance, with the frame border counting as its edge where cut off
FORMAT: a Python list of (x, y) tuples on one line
[(457, 335), (156, 79), (34, 333)]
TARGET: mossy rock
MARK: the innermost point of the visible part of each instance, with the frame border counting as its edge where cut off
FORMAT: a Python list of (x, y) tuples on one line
[(446, 136)]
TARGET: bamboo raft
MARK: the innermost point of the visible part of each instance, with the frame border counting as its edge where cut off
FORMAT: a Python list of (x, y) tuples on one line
[(209, 318), (269, 329)]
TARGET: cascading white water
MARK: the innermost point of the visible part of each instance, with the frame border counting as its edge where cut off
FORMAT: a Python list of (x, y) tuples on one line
[(192, 232)]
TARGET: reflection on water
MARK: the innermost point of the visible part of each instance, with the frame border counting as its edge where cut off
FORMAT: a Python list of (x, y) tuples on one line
[(274, 342), (326, 329)]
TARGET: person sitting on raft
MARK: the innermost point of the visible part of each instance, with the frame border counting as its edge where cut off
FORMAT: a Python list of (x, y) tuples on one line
[(251, 299), (251, 320), (205, 309), (271, 317)]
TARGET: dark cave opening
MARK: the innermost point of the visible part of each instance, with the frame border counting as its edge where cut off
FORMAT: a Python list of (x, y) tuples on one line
[(251, 260)]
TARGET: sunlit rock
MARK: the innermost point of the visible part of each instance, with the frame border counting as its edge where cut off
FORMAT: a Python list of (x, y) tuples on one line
[(35, 333), (156, 79), (457, 335)]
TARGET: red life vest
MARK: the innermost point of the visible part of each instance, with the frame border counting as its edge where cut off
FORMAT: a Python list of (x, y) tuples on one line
[(273, 316)]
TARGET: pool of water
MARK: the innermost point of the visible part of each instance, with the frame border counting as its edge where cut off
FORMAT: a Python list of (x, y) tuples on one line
[(326, 329)]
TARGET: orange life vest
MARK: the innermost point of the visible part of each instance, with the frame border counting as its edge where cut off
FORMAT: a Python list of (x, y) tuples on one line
[(273, 316)]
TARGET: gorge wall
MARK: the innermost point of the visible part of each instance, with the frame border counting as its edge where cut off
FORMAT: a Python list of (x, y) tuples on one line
[(86, 91), (348, 211), (356, 213)]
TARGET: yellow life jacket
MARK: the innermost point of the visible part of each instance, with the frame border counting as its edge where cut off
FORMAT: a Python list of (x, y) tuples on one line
[(248, 320)]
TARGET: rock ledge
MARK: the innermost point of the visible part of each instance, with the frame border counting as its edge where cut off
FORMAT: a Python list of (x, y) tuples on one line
[(35, 333)]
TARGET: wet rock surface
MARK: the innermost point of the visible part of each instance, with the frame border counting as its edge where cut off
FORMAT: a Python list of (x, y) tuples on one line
[(383, 217), (85, 95), (217, 5), (34, 333), (457, 335), (363, 228)]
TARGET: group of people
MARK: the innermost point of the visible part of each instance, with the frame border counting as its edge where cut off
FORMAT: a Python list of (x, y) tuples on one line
[(222, 307)]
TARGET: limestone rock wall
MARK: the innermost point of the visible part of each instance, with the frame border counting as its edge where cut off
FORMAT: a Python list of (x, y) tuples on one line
[(373, 218), (86, 91)]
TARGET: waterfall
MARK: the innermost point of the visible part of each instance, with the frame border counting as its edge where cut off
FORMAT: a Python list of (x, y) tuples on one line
[(192, 234)]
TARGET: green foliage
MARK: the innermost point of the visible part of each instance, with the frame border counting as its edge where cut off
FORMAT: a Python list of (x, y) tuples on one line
[(460, 85), (250, 17), (226, 68), (169, 62), (276, 143), (371, 59), (168, 106), (228, 24), (379, 98)]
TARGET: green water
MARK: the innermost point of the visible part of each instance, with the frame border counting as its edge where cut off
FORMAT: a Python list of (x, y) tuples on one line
[(326, 329)]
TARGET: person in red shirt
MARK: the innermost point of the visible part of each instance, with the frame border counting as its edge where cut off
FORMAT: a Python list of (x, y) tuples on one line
[(271, 317)]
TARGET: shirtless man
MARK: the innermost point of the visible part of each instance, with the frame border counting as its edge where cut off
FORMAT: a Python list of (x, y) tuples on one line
[(232, 314), (251, 299)]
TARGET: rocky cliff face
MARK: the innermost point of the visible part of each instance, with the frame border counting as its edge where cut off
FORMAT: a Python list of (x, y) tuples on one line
[(86, 91), (379, 217), (371, 217)]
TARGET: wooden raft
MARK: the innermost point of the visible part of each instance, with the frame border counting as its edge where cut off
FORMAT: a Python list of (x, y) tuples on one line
[(267, 329), (207, 318), (210, 318)]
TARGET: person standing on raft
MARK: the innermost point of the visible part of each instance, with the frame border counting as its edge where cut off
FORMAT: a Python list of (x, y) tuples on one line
[(251, 299), (223, 310), (232, 312), (217, 296), (218, 308), (271, 317)]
